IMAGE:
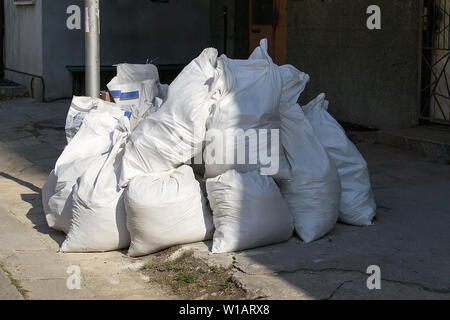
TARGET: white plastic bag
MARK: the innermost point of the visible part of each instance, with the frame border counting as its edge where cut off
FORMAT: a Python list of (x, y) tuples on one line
[(357, 202), (135, 89), (248, 211), (175, 133), (251, 95), (99, 218), (127, 72), (79, 108), (294, 82), (164, 210), (126, 86), (313, 191), (145, 103), (92, 140)]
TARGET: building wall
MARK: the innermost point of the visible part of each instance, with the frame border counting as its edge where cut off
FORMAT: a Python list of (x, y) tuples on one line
[(370, 77), (131, 31), (23, 42)]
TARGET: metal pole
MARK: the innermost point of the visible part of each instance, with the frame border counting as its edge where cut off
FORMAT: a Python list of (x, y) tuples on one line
[(92, 43)]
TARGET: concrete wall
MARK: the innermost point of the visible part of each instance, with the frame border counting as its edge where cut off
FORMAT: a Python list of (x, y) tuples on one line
[(38, 40), (237, 27), (370, 77), (131, 31), (23, 42)]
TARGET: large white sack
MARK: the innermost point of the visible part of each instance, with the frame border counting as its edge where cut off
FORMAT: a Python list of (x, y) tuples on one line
[(248, 107), (164, 210), (175, 133), (92, 140), (313, 192), (99, 218), (294, 82), (357, 202), (248, 211)]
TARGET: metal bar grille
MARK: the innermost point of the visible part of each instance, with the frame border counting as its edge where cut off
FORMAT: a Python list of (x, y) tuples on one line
[(435, 81)]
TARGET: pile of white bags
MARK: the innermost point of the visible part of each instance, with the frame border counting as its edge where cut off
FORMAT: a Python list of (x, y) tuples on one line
[(166, 209), (357, 203), (124, 179)]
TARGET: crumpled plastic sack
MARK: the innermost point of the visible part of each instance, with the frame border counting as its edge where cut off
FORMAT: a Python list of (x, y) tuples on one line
[(175, 133), (313, 191), (81, 106), (99, 218), (248, 211), (91, 141), (166, 209), (249, 105), (357, 202)]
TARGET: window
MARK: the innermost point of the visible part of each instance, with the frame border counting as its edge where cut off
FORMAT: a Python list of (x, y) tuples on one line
[(24, 2)]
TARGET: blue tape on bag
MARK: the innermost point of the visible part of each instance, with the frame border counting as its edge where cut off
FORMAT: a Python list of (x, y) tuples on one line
[(129, 95), (115, 93)]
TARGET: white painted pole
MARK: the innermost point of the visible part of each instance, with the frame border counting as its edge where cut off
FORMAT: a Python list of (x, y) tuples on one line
[(92, 43)]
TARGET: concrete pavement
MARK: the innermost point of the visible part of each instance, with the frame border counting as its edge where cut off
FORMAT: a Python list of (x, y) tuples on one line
[(410, 241)]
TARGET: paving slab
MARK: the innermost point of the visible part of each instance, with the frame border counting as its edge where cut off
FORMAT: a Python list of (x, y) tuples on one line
[(7, 290)]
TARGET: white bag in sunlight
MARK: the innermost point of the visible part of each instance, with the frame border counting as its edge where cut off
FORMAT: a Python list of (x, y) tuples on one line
[(79, 108), (313, 192), (99, 218), (125, 87), (135, 88), (357, 202), (248, 211), (128, 72), (239, 128), (166, 209), (175, 133), (92, 140)]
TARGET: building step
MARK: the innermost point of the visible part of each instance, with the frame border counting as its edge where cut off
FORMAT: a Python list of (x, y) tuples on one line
[(10, 89), (430, 140)]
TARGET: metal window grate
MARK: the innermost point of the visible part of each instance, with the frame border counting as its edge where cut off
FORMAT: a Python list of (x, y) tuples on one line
[(435, 73)]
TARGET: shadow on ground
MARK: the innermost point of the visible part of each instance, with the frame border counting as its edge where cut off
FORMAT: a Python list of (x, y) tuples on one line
[(36, 214)]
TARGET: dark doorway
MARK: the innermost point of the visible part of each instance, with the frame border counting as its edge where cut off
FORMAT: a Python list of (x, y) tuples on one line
[(268, 19)]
